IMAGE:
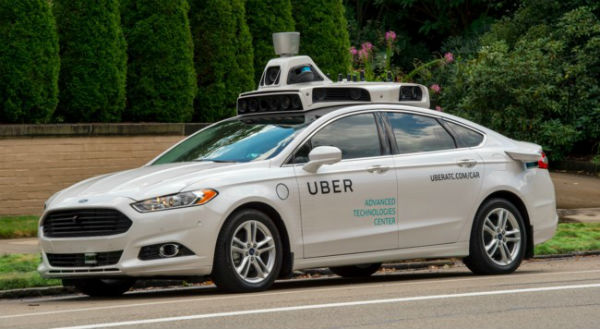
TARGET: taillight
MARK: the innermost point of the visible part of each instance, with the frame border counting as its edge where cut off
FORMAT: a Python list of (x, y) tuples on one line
[(543, 161)]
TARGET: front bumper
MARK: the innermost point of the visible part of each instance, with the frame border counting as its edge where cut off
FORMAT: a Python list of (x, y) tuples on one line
[(194, 227)]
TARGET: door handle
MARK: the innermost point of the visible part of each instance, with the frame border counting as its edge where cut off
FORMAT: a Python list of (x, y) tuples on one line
[(467, 163), (378, 169)]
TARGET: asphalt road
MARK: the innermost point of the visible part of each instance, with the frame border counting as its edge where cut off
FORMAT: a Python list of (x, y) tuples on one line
[(560, 293)]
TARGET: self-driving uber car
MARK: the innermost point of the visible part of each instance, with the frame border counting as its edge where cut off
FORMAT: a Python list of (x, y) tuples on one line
[(310, 173)]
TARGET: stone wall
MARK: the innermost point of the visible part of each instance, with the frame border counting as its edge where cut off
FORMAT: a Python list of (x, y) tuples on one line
[(34, 165)]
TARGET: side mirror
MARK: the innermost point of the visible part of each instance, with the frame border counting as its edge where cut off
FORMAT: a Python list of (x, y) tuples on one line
[(322, 155)]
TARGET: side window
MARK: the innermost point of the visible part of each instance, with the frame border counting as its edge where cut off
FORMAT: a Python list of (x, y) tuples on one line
[(355, 135), (416, 133), (465, 137)]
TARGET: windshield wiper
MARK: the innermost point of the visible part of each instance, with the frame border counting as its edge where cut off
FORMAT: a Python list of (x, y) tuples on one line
[(216, 160)]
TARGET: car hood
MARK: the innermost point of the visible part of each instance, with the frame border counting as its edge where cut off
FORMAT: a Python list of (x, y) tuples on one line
[(142, 183)]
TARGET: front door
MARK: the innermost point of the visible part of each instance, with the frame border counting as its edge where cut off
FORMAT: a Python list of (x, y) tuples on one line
[(349, 207)]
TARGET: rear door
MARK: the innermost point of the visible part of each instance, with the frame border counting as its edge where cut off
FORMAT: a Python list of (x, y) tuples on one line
[(350, 206), (438, 181)]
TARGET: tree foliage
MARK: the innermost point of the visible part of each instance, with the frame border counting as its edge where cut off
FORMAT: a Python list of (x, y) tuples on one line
[(535, 77), (29, 61), (222, 56), (423, 26), (264, 19), (93, 60), (241, 76), (161, 82), (324, 33)]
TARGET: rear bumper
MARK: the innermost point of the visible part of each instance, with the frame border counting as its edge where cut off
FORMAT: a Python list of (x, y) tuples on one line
[(545, 230)]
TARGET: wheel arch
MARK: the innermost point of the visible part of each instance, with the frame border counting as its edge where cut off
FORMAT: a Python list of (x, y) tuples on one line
[(287, 264), (518, 202)]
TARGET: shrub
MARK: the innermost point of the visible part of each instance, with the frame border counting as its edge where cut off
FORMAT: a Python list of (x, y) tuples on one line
[(264, 19), (29, 61), (534, 77), (161, 82), (93, 60), (324, 33)]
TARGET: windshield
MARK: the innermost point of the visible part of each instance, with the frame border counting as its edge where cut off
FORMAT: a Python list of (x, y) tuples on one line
[(237, 140)]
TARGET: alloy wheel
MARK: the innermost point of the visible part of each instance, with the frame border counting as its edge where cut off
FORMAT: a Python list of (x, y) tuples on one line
[(253, 251)]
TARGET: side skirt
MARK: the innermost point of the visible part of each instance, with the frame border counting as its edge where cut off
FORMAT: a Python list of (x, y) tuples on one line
[(458, 249)]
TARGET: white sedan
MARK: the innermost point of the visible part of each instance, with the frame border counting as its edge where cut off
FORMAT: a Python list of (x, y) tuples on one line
[(250, 199), (306, 178)]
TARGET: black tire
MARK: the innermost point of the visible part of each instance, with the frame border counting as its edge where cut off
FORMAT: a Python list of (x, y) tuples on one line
[(224, 273), (356, 271), (101, 287), (478, 261)]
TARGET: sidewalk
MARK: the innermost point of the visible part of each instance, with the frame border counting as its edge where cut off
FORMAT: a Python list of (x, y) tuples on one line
[(19, 246), (585, 215)]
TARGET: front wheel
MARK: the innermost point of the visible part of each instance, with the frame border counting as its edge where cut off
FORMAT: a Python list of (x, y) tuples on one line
[(249, 253), (100, 287), (356, 271), (498, 239)]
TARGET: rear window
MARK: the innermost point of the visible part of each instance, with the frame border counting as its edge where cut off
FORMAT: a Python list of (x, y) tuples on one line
[(465, 137)]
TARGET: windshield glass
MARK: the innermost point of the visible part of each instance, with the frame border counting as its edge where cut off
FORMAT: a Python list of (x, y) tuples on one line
[(238, 140)]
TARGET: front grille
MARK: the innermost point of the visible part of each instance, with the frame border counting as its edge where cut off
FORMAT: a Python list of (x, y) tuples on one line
[(85, 223), (85, 259)]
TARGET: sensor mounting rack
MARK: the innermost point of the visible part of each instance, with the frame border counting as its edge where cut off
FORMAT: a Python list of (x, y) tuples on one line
[(295, 83)]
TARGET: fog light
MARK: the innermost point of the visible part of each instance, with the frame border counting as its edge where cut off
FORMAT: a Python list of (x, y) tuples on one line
[(168, 250), (164, 250)]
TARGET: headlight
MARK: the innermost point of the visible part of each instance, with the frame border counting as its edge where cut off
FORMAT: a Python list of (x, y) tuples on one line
[(173, 201)]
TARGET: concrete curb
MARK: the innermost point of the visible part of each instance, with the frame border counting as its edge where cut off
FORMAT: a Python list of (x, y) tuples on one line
[(60, 290), (36, 292), (573, 254), (317, 272)]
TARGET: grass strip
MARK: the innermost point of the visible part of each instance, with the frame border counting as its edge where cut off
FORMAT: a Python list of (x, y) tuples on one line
[(18, 227), (572, 237), (20, 271)]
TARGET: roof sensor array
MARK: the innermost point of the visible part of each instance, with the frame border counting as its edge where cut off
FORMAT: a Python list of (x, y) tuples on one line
[(410, 93), (340, 95), (269, 103)]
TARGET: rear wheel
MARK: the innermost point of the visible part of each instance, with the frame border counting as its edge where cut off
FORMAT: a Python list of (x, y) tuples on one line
[(498, 239), (355, 271), (100, 287), (249, 253)]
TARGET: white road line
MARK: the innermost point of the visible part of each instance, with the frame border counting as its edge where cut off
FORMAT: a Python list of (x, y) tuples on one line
[(330, 305), (295, 291)]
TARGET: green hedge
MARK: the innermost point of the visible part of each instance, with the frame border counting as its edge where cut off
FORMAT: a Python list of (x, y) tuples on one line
[(29, 61), (324, 34), (222, 56), (241, 75), (264, 19), (161, 82), (93, 61), (213, 32)]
